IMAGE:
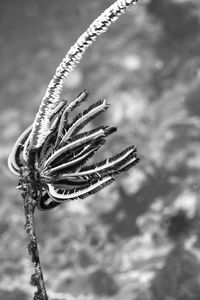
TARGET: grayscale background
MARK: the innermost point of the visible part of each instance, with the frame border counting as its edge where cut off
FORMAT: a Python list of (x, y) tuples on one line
[(139, 238)]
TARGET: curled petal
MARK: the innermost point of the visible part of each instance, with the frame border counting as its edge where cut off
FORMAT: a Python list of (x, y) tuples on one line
[(15, 160), (60, 194), (63, 124), (46, 203), (83, 139), (74, 163), (84, 118), (78, 156), (128, 165), (81, 97), (111, 166), (57, 109)]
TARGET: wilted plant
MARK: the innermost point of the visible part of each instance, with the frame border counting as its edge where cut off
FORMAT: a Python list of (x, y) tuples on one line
[(50, 156)]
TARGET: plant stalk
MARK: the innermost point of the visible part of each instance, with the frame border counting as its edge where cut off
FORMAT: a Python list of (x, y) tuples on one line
[(37, 278)]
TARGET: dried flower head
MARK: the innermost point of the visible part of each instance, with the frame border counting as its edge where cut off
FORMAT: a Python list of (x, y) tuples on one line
[(53, 151), (60, 172)]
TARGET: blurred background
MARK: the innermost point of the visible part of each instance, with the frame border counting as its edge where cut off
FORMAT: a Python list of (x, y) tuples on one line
[(139, 238)]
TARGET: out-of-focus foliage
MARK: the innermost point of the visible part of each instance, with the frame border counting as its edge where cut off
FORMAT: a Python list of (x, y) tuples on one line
[(138, 239)]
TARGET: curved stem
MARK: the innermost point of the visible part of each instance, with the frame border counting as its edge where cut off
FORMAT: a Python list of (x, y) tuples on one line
[(72, 58), (37, 279)]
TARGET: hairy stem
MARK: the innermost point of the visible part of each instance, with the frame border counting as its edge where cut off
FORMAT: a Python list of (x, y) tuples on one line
[(37, 279), (72, 58)]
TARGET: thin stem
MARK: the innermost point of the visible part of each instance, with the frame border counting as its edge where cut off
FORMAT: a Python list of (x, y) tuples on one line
[(37, 279)]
